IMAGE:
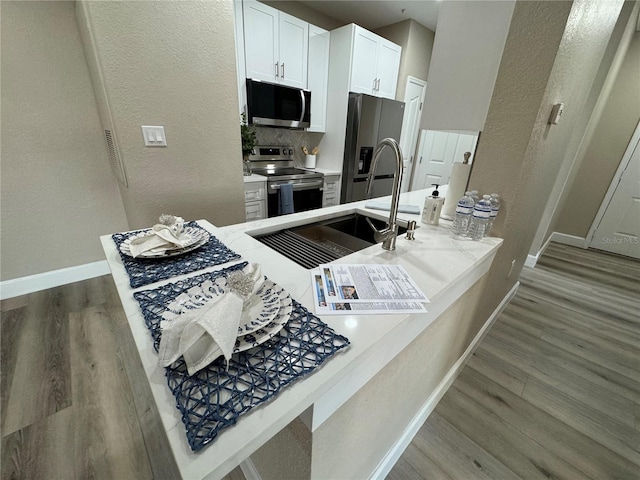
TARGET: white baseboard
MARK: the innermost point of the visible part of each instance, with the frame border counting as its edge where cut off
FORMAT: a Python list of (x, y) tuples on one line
[(533, 259), (55, 278), (249, 470), (570, 240), (392, 456)]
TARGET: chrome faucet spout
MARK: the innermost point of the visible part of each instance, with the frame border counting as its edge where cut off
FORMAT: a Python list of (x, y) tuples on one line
[(387, 235)]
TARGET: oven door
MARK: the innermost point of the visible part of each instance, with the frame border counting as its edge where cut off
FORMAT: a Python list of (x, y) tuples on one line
[(307, 195)]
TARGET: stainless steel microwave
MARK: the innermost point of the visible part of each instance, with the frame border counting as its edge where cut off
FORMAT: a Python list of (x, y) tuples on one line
[(277, 105)]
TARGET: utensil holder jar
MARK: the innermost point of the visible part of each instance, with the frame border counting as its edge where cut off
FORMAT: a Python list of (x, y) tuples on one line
[(310, 161)]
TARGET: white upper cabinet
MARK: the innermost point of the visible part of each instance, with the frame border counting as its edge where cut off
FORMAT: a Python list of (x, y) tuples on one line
[(276, 45), (319, 44), (387, 68), (375, 64), (363, 68), (294, 47), (261, 41)]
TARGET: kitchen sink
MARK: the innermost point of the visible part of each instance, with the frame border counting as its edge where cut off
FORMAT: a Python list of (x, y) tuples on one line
[(324, 241)]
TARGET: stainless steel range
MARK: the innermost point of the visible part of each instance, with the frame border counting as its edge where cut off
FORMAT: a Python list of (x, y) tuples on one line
[(277, 164)]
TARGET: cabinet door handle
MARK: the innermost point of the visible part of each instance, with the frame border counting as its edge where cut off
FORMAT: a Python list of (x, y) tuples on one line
[(374, 83), (283, 70), (277, 69), (378, 87)]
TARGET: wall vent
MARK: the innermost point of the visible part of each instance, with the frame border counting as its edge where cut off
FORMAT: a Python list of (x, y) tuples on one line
[(114, 158)]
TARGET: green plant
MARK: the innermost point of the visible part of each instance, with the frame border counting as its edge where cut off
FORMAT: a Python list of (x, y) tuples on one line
[(247, 134)]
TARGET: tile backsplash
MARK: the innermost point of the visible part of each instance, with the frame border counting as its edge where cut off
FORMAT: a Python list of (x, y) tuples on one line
[(283, 136)]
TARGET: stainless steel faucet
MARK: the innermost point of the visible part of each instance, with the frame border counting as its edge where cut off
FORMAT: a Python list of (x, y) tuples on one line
[(387, 235)]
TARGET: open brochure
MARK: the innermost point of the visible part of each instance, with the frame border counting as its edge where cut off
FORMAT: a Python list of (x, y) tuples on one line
[(369, 289)]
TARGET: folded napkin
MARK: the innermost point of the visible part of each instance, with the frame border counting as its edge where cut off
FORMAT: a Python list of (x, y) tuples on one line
[(387, 206), (203, 324), (167, 234)]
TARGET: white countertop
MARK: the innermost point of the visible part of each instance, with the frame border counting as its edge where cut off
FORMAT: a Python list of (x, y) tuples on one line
[(443, 267), (254, 178), (324, 171)]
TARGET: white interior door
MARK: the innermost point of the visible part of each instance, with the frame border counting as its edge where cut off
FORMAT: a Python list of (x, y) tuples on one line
[(436, 154), (413, 99), (466, 143), (618, 229)]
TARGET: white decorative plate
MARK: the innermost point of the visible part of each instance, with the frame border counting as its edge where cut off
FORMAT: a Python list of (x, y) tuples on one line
[(198, 237), (250, 340), (268, 310), (260, 309)]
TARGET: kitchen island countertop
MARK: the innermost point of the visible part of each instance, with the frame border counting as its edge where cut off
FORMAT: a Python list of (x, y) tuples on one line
[(443, 267)]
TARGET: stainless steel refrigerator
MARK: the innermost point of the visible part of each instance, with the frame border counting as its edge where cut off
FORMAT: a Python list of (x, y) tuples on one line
[(369, 120)]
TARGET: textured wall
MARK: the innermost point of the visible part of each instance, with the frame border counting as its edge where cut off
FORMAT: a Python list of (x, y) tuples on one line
[(552, 54), (587, 120), (58, 193), (398, 33), (287, 455), (417, 43), (466, 54), (173, 64), (419, 52), (608, 144), (351, 443), (308, 14)]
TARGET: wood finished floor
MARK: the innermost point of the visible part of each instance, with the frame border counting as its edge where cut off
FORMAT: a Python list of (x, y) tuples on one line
[(69, 410), (552, 392)]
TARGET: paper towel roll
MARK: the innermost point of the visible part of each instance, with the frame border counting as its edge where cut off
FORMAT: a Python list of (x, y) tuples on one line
[(455, 191)]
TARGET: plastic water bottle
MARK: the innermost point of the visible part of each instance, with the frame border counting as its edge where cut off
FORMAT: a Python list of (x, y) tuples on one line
[(464, 209), (475, 196), (495, 206), (480, 218)]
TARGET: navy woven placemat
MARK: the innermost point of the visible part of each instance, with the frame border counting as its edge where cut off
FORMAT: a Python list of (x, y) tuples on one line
[(143, 271), (215, 397)]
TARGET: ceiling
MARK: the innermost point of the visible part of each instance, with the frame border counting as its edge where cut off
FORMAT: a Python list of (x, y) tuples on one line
[(372, 14)]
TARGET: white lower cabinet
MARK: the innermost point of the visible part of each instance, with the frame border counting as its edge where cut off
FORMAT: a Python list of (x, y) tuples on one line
[(331, 191), (255, 200)]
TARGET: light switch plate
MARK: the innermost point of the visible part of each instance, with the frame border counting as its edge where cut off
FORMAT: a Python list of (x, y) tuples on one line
[(556, 113), (154, 136)]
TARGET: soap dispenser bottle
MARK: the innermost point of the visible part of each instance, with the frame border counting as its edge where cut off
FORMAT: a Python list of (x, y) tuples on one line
[(432, 207)]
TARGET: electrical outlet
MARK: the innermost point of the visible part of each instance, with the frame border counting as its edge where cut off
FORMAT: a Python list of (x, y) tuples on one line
[(513, 264)]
